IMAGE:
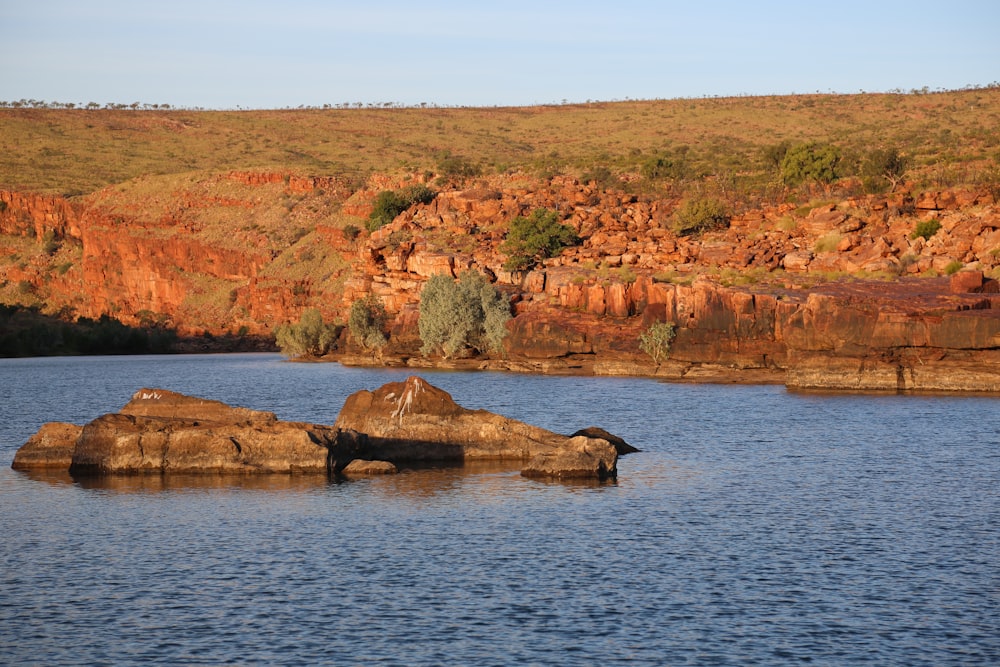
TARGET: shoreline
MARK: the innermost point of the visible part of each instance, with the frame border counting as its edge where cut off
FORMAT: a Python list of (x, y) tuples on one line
[(857, 379)]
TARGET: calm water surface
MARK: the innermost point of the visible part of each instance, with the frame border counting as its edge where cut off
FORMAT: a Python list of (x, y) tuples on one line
[(756, 527)]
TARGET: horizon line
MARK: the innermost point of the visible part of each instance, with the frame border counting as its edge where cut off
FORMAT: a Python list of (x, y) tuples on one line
[(29, 103)]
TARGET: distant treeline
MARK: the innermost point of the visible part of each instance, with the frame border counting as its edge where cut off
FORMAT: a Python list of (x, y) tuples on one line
[(26, 332), (145, 106)]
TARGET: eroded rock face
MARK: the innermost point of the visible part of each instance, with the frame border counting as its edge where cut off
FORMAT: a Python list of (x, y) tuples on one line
[(160, 431)]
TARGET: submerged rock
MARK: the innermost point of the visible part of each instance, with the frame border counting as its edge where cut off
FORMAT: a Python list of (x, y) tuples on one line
[(162, 431), (363, 467)]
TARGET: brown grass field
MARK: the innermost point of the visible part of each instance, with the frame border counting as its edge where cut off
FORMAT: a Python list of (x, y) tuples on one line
[(949, 137)]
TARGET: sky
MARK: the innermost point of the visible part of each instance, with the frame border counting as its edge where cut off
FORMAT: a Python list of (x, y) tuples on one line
[(230, 54)]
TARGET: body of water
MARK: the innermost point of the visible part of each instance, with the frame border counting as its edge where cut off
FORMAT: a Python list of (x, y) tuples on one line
[(757, 526)]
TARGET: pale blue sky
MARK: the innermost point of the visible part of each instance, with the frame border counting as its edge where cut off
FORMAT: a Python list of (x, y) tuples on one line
[(254, 54)]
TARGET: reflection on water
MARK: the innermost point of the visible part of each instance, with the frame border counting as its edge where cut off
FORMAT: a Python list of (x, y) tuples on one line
[(755, 527), (415, 480), (152, 483)]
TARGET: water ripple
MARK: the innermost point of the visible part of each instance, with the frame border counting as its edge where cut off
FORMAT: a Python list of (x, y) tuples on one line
[(756, 528)]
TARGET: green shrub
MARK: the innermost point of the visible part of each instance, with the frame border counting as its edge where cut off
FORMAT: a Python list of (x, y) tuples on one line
[(387, 205), (810, 162), (600, 176), (656, 340), (367, 323), (351, 232), (774, 155), (627, 274), (881, 168), (310, 337), (953, 267), (397, 238), (989, 179), (537, 237), (828, 242), (418, 194), (700, 215), (926, 229), (456, 166), (390, 203), (469, 313), (659, 167), (50, 244)]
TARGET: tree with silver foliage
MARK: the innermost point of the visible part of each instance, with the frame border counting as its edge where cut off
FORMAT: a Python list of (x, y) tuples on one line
[(367, 323), (656, 340), (468, 314), (311, 337)]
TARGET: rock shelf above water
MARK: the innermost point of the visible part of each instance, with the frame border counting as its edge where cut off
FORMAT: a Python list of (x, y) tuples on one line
[(160, 431)]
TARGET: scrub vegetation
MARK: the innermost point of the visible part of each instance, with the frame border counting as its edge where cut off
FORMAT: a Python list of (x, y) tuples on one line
[(310, 337), (534, 238), (461, 317), (367, 323), (657, 146)]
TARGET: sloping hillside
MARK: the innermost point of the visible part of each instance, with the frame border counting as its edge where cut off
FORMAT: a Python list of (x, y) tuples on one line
[(757, 225)]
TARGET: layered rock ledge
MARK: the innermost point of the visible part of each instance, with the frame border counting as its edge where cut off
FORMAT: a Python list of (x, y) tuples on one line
[(161, 431)]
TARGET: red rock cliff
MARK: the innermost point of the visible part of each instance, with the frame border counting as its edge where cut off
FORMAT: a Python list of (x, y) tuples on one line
[(777, 292)]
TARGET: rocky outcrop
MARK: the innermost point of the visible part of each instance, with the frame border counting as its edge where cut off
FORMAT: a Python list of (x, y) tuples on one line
[(795, 305), (202, 256), (28, 214), (415, 421), (777, 293), (160, 431)]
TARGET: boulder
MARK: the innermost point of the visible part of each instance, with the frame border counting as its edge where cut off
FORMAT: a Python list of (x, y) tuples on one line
[(797, 261), (415, 421), (171, 405), (579, 458), (125, 443), (963, 282), (160, 431), (363, 467)]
